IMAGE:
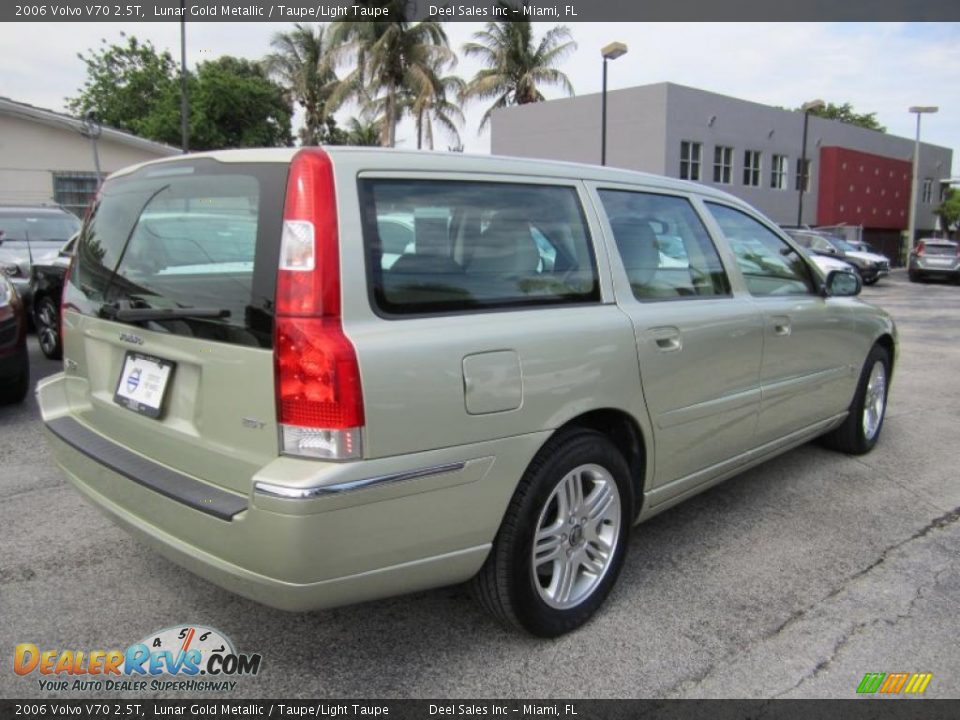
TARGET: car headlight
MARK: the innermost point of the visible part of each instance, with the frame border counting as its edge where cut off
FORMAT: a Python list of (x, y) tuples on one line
[(11, 270), (7, 293)]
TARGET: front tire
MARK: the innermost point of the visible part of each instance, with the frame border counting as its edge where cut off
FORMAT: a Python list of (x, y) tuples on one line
[(563, 538), (46, 319), (860, 431)]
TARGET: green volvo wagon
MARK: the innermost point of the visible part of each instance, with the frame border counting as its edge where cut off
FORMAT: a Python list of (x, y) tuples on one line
[(323, 376)]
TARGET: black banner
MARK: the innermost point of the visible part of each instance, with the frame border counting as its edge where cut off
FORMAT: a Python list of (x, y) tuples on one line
[(478, 10), (857, 709)]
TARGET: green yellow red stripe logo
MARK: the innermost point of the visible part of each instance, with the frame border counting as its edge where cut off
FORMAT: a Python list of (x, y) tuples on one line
[(894, 683)]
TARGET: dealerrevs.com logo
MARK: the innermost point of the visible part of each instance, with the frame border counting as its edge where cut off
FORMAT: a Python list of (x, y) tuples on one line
[(182, 658)]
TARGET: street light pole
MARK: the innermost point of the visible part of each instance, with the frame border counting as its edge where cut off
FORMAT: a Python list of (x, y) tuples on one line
[(609, 52), (912, 224), (603, 116), (803, 172), (184, 108)]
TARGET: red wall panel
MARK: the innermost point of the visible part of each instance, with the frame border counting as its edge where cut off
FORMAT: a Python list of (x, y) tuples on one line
[(859, 188)]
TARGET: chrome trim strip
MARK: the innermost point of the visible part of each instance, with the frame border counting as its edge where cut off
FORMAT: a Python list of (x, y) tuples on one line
[(306, 493)]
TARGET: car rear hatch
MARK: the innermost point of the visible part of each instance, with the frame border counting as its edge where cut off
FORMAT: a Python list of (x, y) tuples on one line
[(169, 316), (936, 255)]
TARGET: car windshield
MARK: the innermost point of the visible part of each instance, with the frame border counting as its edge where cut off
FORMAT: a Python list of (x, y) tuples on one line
[(842, 245), (37, 228)]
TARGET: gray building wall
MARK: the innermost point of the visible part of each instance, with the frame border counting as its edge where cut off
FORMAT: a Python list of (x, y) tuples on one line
[(646, 124), (36, 144)]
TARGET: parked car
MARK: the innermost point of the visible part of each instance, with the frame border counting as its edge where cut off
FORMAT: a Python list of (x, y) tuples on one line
[(46, 288), (14, 360), (865, 247), (870, 266), (827, 263), (934, 258), (310, 426), (28, 232)]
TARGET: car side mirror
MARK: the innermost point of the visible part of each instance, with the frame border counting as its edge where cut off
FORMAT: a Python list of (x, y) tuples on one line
[(840, 283)]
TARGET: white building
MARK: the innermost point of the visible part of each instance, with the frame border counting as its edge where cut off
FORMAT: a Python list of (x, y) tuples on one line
[(44, 156)]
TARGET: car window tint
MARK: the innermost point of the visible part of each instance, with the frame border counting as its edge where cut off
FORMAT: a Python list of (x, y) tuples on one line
[(200, 234), (769, 265), (38, 228), (664, 246), (457, 246)]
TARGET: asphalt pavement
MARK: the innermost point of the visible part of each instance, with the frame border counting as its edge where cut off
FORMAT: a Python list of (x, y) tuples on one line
[(791, 580)]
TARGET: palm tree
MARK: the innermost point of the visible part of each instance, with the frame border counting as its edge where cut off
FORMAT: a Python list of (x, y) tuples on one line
[(361, 132), (516, 64), (301, 63), (435, 105), (394, 63)]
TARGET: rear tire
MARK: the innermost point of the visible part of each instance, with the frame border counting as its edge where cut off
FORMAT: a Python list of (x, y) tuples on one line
[(17, 390), (860, 431), (46, 319), (914, 277), (563, 538)]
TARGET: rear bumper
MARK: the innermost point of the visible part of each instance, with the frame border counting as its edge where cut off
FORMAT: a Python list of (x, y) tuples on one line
[(335, 543), (932, 271)]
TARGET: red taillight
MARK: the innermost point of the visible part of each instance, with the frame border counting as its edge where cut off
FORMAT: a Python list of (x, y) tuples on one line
[(920, 248), (319, 397)]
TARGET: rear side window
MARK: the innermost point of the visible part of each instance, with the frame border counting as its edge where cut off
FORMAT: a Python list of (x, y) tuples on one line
[(665, 248), (199, 234), (459, 246), (769, 265)]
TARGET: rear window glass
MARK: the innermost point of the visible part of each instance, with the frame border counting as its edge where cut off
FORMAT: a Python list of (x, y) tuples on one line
[(930, 249), (197, 235), (459, 246), (40, 228)]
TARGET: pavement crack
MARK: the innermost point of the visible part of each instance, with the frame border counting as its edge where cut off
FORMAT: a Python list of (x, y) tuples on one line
[(937, 523)]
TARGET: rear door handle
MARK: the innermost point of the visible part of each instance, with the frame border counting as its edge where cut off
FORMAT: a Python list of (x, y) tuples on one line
[(667, 339)]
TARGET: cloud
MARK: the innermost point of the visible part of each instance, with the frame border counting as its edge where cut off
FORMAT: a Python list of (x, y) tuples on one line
[(878, 67)]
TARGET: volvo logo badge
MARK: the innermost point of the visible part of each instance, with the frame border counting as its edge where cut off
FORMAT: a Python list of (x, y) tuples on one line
[(131, 338), (133, 380)]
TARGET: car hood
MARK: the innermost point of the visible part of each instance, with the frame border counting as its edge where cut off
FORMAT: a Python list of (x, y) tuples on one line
[(867, 256), (826, 264)]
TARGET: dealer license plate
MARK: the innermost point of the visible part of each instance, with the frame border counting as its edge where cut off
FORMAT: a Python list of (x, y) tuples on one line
[(143, 384)]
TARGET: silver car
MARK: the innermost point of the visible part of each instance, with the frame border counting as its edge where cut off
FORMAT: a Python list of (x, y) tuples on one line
[(934, 258), (323, 376)]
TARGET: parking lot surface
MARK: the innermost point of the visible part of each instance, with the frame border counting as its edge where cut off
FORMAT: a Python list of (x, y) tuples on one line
[(791, 580)]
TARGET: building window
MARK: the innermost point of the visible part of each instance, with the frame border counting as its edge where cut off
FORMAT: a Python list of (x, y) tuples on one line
[(75, 190), (927, 196), (751, 168), (803, 175), (778, 172), (690, 154), (722, 164)]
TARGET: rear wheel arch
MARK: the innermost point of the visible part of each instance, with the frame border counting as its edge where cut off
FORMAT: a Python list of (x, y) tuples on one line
[(626, 434), (887, 343)]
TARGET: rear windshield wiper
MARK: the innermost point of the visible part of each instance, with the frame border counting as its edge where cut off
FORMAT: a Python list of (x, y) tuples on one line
[(122, 313)]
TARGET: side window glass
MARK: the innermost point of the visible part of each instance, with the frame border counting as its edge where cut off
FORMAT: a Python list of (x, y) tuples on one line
[(664, 246), (451, 246), (769, 265)]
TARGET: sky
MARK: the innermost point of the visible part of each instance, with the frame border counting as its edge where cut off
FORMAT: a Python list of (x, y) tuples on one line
[(877, 67)]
